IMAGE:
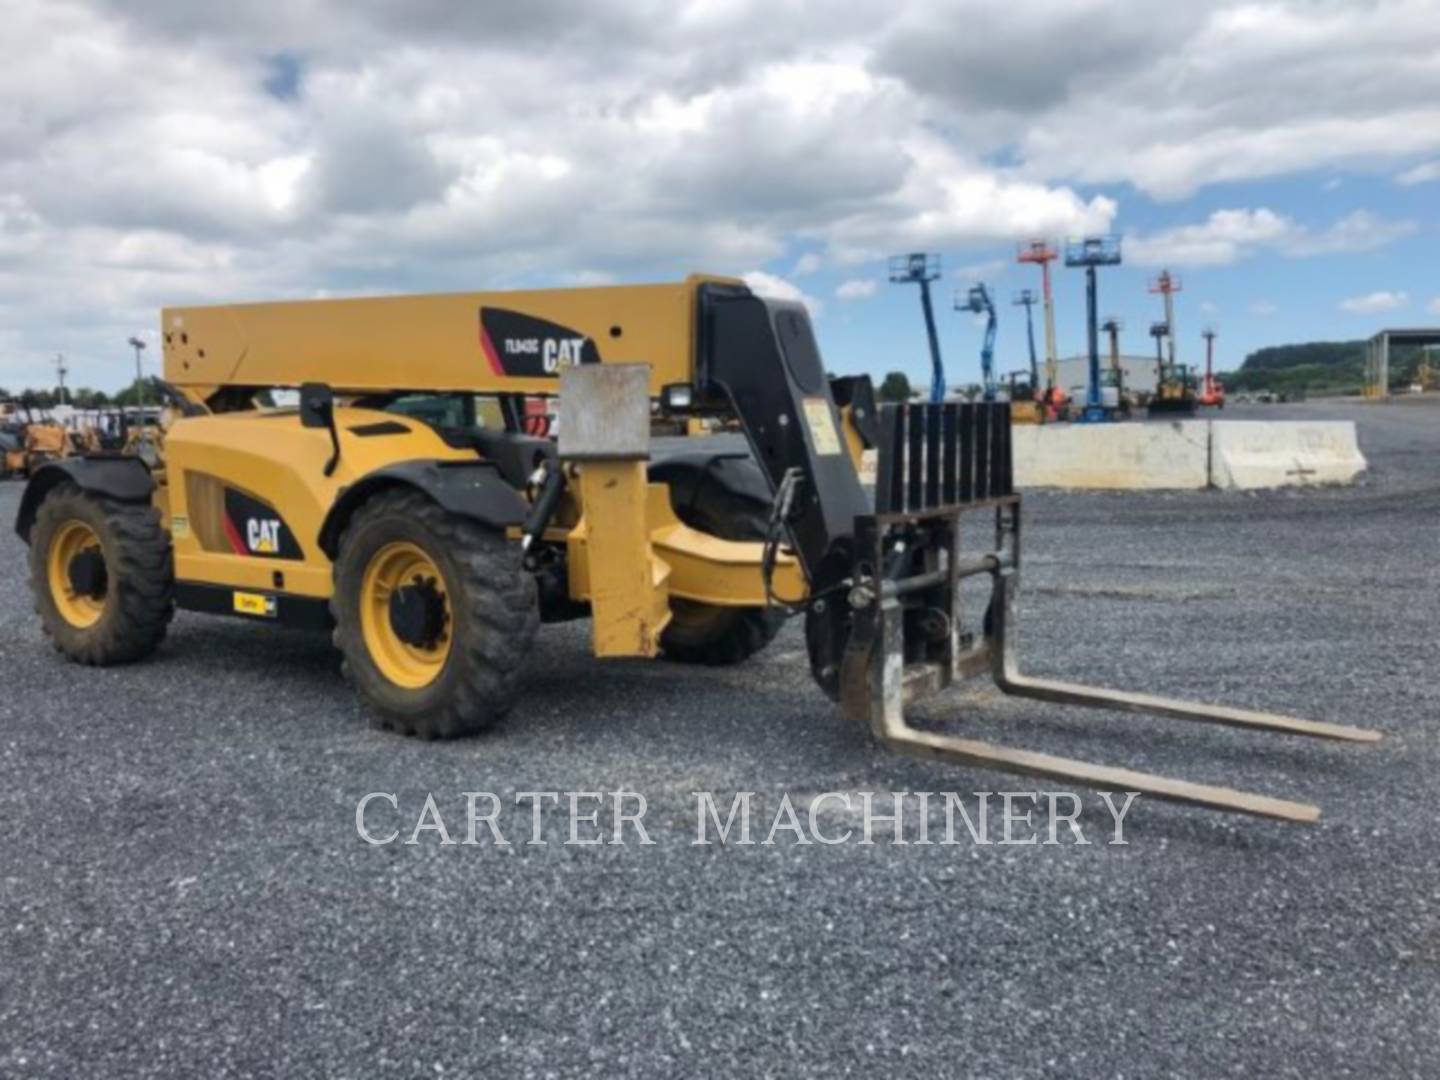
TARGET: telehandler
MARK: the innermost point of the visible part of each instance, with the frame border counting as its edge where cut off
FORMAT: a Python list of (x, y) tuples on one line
[(401, 503)]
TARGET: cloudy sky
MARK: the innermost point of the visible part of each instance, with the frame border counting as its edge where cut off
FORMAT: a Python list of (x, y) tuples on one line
[(1282, 158)]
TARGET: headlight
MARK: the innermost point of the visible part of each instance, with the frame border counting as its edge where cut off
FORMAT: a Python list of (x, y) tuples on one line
[(677, 397)]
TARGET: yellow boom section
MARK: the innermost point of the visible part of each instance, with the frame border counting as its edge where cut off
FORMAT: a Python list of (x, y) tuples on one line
[(512, 342)]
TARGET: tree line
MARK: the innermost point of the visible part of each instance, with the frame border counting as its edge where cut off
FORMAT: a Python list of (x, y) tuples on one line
[(1320, 367), (82, 397)]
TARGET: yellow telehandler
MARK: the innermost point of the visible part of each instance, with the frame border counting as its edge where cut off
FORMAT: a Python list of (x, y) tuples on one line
[(366, 466)]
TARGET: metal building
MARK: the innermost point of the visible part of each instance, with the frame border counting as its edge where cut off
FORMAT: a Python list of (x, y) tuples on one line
[(1074, 373), (1377, 356)]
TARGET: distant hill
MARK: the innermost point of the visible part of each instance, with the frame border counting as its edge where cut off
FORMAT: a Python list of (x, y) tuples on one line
[(1316, 367)]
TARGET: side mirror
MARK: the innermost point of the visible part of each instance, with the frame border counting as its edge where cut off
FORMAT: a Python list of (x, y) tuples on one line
[(317, 405), (317, 410)]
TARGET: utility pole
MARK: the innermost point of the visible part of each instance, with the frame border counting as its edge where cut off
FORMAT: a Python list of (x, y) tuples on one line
[(1167, 286), (1042, 254), (61, 371), (139, 347), (923, 269), (1091, 252), (1026, 298)]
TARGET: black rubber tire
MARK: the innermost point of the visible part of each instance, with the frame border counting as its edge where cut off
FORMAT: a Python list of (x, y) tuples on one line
[(706, 634), (139, 565), (493, 609)]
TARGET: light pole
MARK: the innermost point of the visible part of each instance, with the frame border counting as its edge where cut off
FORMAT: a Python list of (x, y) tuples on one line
[(139, 347)]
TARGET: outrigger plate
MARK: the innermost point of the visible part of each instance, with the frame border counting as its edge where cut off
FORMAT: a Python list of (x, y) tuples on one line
[(907, 639)]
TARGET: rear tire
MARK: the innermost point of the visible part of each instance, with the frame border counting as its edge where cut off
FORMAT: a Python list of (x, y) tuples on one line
[(704, 633), (467, 672), (121, 613)]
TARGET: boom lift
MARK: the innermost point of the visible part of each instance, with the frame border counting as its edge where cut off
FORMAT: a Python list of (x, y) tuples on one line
[(921, 269), (978, 301), (401, 504), (1027, 400), (1041, 254), (1174, 392), (1212, 390), (1112, 326)]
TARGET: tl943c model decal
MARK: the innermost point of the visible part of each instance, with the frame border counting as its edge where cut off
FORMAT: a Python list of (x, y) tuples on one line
[(516, 344)]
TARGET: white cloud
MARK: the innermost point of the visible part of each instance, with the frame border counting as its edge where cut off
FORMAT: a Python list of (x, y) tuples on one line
[(1420, 174), (278, 150), (983, 271), (1359, 231), (1182, 95), (1227, 236), (1434, 306), (856, 289), (1375, 302), (806, 264), (1262, 308), (1221, 238), (764, 284), (169, 152), (1208, 307)]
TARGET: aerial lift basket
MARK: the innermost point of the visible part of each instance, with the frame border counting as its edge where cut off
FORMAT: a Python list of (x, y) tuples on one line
[(940, 466)]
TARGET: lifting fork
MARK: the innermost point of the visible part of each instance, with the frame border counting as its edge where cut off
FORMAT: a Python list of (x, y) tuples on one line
[(907, 638)]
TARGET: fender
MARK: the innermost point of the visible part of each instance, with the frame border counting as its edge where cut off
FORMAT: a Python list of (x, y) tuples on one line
[(474, 490), (119, 477)]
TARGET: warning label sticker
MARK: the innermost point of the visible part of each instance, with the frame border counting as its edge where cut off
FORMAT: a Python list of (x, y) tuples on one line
[(822, 426), (255, 604)]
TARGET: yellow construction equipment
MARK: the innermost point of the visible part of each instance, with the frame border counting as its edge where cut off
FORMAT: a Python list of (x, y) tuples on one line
[(45, 440), (377, 467)]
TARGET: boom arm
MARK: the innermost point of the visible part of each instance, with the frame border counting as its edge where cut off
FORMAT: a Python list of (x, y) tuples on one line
[(980, 302), (482, 342)]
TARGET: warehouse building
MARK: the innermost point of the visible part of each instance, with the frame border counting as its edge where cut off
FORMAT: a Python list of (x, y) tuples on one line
[(1074, 373)]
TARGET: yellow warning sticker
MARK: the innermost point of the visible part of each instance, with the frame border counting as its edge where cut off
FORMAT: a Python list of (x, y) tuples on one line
[(251, 603), (822, 426)]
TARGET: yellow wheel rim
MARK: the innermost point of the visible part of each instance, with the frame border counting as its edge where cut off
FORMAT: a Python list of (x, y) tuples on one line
[(396, 566), (71, 540)]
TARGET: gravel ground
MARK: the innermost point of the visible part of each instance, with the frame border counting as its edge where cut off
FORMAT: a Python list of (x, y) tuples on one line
[(183, 891)]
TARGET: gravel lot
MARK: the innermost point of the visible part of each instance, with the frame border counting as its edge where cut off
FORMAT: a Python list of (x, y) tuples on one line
[(183, 891)]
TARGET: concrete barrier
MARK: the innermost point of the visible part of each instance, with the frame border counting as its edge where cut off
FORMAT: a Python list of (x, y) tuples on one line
[(1174, 455), (1181, 455), (1267, 454)]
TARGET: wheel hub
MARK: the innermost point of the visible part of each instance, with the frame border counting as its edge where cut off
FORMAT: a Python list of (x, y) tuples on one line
[(87, 574), (417, 613), (75, 574), (405, 615)]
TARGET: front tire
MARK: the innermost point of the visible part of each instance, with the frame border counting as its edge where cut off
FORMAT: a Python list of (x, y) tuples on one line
[(434, 614), (707, 634), (103, 576)]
